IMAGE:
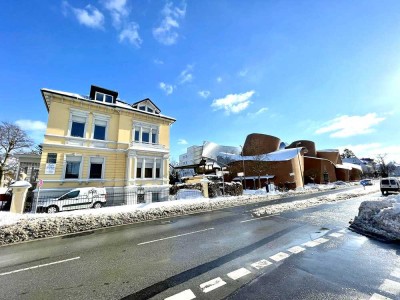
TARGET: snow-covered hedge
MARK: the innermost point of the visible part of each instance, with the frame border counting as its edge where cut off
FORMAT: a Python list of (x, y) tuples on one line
[(379, 219), (214, 188)]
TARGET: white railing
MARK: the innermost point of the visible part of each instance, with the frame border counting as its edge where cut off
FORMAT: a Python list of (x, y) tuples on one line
[(144, 145)]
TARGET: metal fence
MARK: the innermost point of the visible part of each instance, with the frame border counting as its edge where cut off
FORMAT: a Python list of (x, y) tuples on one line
[(70, 201)]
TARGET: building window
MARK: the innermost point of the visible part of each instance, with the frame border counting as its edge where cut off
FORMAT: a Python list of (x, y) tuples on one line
[(73, 167), (158, 168), (104, 98), (96, 168), (139, 168), (151, 168), (155, 197), (145, 133), (51, 158), (78, 123)]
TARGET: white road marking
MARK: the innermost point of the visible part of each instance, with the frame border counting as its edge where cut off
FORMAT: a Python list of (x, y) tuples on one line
[(40, 266), (238, 273), (343, 230), (279, 256), (175, 236), (258, 218), (311, 244), (296, 249), (336, 234), (321, 240), (185, 295), (396, 273), (212, 285), (391, 287), (379, 297), (261, 264)]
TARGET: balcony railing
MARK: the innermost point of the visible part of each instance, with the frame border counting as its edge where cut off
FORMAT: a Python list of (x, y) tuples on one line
[(145, 145)]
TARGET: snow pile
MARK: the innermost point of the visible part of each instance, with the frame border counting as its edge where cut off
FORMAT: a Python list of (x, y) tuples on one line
[(379, 219), (303, 204)]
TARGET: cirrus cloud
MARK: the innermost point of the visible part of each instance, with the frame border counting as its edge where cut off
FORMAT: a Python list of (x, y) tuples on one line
[(90, 16), (346, 126), (233, 103), (167, 88)]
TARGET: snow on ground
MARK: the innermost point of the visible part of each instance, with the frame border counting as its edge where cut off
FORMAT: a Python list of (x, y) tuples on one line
[(17, 227), (379, 219)]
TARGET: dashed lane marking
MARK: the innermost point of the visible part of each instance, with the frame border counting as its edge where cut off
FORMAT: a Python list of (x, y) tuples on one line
[(343, 230), (238, 273), (391, 287), (311, 244), (261, 264), (40, 266), (296, 249), (212, 284), (255, 219), (279, 256), (321, 240), (336, 234), (185, 295), (175, 236), (379, 297), (395, 273)]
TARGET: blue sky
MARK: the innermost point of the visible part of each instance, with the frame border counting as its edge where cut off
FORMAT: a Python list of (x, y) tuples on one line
[(327, 71)]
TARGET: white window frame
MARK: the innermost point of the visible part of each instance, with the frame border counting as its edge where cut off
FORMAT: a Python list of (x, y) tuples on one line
[(102, 168), (78, 114), (141, 162), (72, 155), (104, 97), (146, 126), (102, 118)]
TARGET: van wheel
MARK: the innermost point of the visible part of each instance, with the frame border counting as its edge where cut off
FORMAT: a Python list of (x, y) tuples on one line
[(97, 205), (52, 209)]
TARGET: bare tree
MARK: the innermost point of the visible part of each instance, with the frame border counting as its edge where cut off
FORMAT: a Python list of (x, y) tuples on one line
[(12, 139), (384, 168)]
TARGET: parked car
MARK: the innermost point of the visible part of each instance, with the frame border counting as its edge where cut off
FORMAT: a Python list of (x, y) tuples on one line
[(79, 198), (188, 194), (366, 182), (340, 183), (5, 199), (390, 184)]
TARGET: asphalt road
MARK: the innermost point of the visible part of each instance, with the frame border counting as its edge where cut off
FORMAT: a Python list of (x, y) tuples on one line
[(216, 255)]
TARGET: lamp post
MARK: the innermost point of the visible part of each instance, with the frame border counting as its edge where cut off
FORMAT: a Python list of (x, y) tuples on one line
[(244, 173), (301, 172)]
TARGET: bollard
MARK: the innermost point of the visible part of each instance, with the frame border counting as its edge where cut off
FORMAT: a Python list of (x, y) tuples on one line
[(19, 191)]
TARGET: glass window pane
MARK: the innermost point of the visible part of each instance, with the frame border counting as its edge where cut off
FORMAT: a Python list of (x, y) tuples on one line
[(146, 137), (51, 158), (154, 138), (109, 99), (99, 132), (137, 132), (148, 172), (95, 171), (142, 107), (157, 172), (138, 172), (77, 129), (149, 109), (72, 169), (99, 97)]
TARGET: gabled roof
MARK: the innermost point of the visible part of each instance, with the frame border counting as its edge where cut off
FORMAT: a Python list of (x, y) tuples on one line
[(146, 101)]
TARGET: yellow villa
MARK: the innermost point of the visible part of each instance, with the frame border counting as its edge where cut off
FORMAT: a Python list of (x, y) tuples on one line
[(101, 141)]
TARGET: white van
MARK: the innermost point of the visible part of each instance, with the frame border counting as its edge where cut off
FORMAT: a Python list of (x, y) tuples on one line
[(79, 198), (390, 184)]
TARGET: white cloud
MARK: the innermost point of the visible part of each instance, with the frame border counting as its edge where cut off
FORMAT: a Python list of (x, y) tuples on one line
[(186, 75), (258, 112), (131, 34), (35, 129), (233, 103), (90, 16), (346, 126), (166, 33), (371, 150), (118, 9), (182, 142), (243, 73), (219, 79), (204, 94), (167, 88)]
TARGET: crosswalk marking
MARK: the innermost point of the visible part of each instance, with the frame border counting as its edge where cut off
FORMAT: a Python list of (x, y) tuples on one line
[(261, 264), (379, 297), (396, 273), (296, 249), (185, 295), (212, 284), (336, 234), (321, 240), (311, 244), (279, 256), (238, 273), (391, 287)]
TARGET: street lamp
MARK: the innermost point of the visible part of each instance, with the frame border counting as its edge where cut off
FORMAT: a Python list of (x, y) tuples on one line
[(301, 172), (244, 173)]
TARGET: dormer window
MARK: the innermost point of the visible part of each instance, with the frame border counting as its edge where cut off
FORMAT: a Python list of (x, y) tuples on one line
[(104, 98), (147, 105)]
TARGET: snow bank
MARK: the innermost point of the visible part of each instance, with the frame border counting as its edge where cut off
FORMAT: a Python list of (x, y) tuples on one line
[(17, 227), (379, 219)]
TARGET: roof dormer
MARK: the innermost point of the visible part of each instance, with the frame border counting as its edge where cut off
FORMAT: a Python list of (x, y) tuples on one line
[(147, 105), (100, 94)]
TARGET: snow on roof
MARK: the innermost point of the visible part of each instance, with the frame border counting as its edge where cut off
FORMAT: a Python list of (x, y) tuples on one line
[(119, 103), (280, 155), (352, 166), (328, 150)]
